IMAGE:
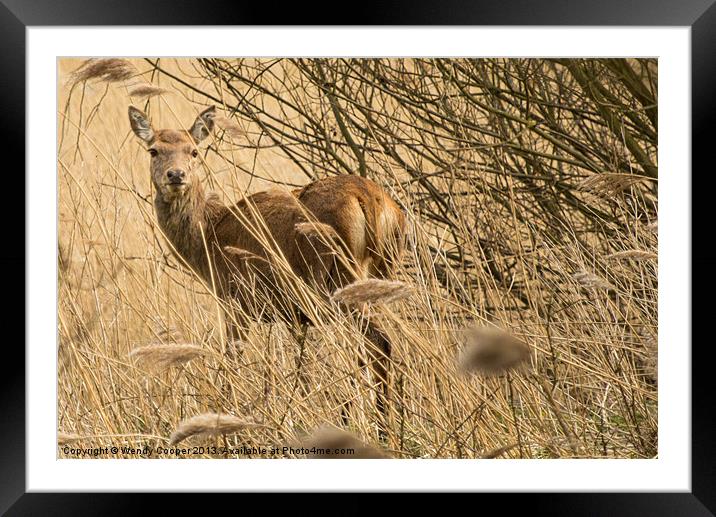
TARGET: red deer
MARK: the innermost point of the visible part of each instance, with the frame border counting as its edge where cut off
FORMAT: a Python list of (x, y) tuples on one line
[(223, 243)]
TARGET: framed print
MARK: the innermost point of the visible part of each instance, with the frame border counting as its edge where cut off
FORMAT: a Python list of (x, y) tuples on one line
[(447, 247)]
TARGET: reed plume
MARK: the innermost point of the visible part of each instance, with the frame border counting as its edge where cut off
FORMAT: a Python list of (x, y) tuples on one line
[(609, 183), (210, 424), (372, 291), (169, 334), (651, 359), (314, 229), (110, 70), (230, 127), (335, 444), (591, 281), (490, 351), (633, 255), (162, 356), (66, 438), (498, 451), (242, 254), (147, 91)]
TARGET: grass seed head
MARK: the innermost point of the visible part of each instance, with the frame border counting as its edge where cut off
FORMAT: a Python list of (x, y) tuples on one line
[(609, 183), (498, 451), (315, 229), (110, 70), (66, 438), (230, 127), (240, 253), (147, 90), (589, 280), (169, 333), (332, 440), (651, 359), (633, 255), (489, 352), (372, 291), (161, 356), (211, 424)]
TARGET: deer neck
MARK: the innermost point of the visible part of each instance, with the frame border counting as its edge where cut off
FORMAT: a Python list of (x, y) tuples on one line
[(184, 219)]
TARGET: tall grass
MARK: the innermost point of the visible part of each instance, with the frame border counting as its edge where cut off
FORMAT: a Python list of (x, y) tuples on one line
[(142, 346)]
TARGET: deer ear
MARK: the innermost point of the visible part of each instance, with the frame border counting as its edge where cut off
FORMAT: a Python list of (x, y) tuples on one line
[(140, 124), (203, 125)]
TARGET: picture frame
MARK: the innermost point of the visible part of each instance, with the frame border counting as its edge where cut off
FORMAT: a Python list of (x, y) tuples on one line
[(16, 16)]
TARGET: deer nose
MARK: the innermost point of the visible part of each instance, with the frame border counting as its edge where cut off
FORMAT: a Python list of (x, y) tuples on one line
[(175, 175)]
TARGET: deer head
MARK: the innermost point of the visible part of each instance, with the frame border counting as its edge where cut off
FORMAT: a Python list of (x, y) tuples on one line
[(174, 153)]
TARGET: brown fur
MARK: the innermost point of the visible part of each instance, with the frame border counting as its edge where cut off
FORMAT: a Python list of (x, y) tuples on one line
[(220, 242)]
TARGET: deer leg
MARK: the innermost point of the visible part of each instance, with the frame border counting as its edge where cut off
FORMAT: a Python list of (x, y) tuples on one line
[(237, 330), (347, 405), (345, 411), (299, 337), (379, 350)]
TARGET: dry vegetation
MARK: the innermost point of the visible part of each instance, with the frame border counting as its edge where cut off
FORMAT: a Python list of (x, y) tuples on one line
[(531, 192)]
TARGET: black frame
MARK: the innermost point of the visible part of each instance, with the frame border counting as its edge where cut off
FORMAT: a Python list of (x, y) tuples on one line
[(700, 15)]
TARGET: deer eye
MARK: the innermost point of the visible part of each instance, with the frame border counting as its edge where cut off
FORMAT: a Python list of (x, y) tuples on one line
[(153, 152), (194, 153)]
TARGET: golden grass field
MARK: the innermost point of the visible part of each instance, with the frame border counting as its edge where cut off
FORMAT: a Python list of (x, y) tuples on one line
[(585, 306)]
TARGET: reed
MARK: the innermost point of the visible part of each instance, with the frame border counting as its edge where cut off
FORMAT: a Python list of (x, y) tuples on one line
[(523, 310)]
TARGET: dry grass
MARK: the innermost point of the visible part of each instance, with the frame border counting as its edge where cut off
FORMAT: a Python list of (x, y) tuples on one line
[(585, 302)]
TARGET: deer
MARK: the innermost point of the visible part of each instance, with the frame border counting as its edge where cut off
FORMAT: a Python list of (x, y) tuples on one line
[(331, 232)]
